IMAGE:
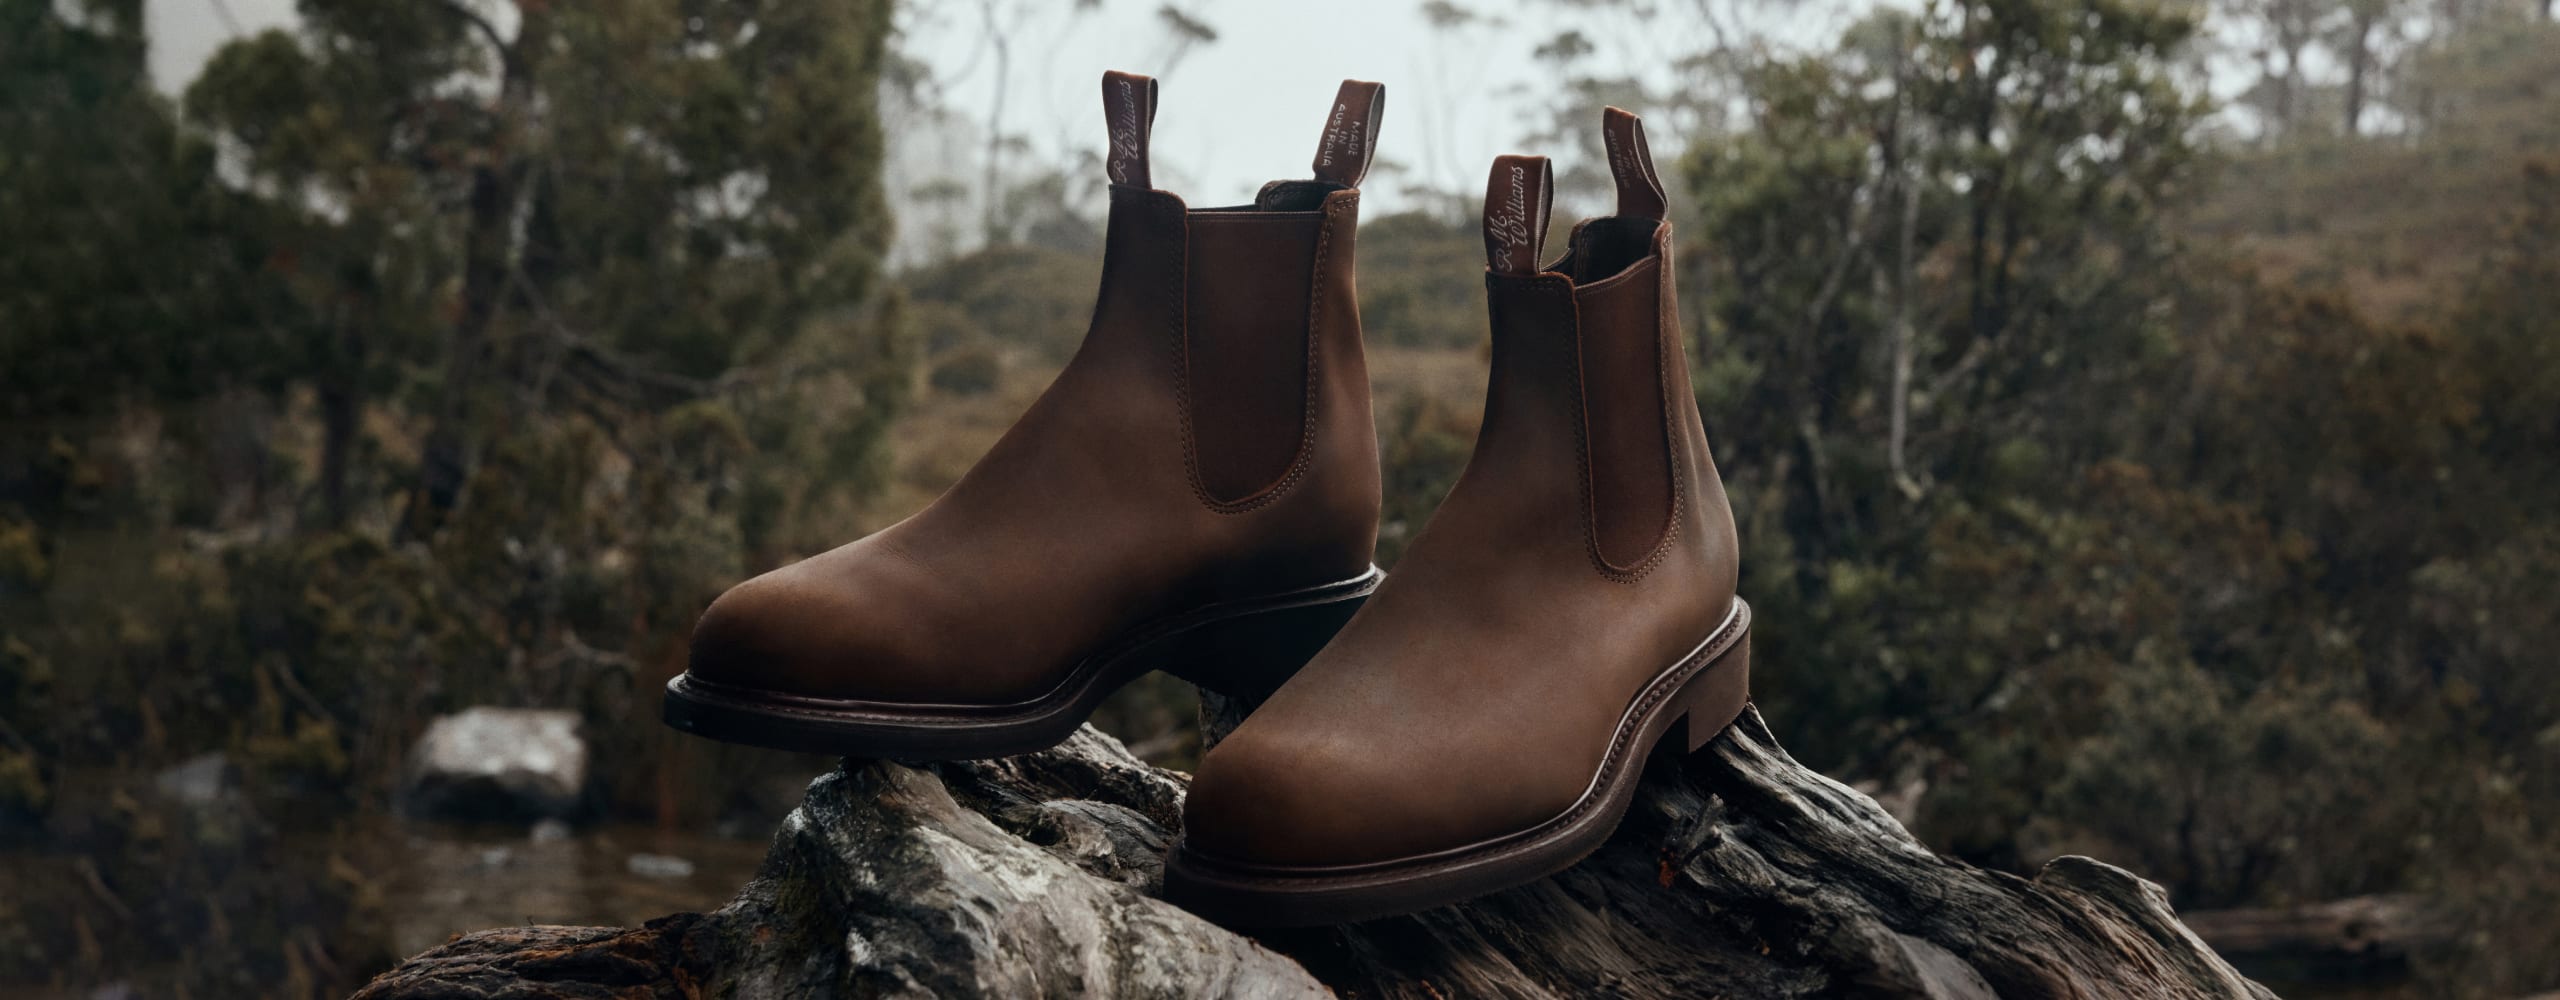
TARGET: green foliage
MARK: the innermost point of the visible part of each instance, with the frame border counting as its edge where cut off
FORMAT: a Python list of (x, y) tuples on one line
[(22, 788), (414, 365), (23, 565), (1420, 286), (2392, 219), (967, 371), (1972, 195), (1013, 295), (2305, 794), (1424, 442), (2124, 548), (1420, 283), (128, 268)]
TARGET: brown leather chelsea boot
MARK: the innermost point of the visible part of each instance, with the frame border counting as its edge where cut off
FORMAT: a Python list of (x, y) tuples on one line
[(1196, 493), (1482, 722)]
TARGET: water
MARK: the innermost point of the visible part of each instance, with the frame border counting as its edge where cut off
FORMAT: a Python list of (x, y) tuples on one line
[(439, 880)]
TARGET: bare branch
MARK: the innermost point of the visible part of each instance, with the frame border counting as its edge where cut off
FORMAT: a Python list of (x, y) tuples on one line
[(488, 29)]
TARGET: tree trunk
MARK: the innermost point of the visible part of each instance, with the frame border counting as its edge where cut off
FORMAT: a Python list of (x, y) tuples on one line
[(2292, 37), (990, 223), (2359, 67), (1907, 186), (1737, 873), (341, 388), (488, 246), (341, 412), (444, 461)]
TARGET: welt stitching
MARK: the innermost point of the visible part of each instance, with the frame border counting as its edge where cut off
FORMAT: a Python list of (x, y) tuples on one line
[(1299, 464), (1655, 694)]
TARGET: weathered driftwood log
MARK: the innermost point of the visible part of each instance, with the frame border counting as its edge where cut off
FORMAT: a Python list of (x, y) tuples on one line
[(1738, 873)]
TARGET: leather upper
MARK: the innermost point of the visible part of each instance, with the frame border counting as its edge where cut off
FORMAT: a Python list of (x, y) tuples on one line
[(1587, 547), (1210, 440)]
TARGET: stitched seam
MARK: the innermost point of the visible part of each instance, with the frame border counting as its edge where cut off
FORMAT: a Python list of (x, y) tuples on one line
[(1178, 310), (1659, 690), (1299, 463), (1582, 455), (1679, 483), (1664, 370)]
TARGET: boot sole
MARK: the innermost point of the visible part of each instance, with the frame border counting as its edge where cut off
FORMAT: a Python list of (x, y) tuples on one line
[(1241, 648), (1701, 695)]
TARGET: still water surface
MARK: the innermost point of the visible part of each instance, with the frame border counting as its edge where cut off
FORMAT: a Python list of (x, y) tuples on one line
[(441, 880)]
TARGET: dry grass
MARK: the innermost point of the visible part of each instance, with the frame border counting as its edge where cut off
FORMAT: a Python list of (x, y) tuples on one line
[(942, 434), (1456, 376)]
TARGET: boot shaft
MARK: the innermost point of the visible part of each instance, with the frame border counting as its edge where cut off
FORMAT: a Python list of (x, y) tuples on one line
[(1483, 720), (1590, 385), (1244, 314)]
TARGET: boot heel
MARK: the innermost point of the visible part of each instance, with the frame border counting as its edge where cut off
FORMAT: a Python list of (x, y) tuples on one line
[(1250, 655), (1715, 696)]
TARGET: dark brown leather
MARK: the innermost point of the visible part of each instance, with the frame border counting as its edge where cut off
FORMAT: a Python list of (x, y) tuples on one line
[(1586, 548), (1255, 362), (1210, 441)]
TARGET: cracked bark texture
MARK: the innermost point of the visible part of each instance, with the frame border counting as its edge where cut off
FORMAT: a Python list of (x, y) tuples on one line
[(1738, 873)]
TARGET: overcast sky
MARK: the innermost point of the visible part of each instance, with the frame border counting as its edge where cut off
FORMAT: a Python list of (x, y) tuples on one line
[(1248, 107), (1236, 112)]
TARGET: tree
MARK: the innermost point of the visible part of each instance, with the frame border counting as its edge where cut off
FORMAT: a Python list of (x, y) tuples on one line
[(2362, 37), (431, 357), (126, 270), (2288, 30), (2018, 160), (638, 203), (2101, 526), (1944, 320)]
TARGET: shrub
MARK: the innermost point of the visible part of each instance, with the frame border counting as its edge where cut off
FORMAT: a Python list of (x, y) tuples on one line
[(967, 371)]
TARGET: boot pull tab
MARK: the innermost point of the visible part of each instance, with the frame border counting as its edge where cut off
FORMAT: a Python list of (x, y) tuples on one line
[(1631, 160), (1517, 200), (1129, 111), (1351, 133)]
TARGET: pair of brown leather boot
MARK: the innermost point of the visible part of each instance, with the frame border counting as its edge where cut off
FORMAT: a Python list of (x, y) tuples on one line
[(1198, 493)]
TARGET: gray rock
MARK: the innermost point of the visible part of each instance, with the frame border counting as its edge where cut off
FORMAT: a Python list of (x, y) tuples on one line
[(505, 764), (211, 803), (658, 866), (1025, 877), (202, 781)]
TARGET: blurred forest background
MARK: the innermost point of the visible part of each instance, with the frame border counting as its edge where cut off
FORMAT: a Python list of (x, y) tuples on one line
[(2123, 469)]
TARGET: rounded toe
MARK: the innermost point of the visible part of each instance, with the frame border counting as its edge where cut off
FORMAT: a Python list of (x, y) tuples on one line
[(827, 627), (1281, 802), (851, 625), (759, 635)]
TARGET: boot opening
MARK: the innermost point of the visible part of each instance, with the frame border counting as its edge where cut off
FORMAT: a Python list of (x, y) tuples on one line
[(1291, 196), (1604, 247)]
